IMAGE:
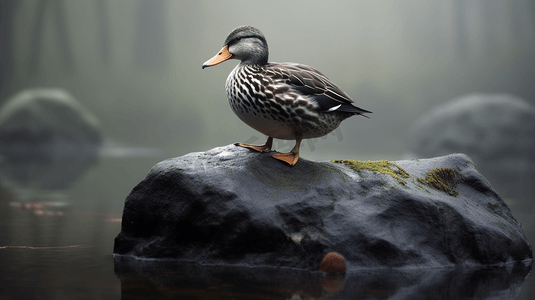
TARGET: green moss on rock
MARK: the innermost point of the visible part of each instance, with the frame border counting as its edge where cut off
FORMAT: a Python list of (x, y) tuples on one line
[(442, 179), (382, 166)]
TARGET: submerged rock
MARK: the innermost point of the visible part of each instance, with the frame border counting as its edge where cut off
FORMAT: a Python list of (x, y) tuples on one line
[(234, 206)]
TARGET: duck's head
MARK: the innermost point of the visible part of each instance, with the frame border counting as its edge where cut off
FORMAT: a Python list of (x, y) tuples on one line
[(245, 43)]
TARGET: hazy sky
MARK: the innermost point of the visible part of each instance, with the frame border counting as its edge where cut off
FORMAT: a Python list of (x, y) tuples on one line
[(137, 64)]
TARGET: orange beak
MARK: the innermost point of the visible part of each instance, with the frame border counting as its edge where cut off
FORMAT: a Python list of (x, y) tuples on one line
[(218, 58)]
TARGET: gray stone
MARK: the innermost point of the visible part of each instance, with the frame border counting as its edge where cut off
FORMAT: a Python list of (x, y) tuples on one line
[(234, 206), (484, 126), (47, 120), (48, 140)]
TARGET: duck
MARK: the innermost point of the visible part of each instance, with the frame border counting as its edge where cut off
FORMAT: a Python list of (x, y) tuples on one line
[(288, 101)]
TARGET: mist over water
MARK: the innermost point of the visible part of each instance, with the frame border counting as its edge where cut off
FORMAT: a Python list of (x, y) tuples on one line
[(136, 65)]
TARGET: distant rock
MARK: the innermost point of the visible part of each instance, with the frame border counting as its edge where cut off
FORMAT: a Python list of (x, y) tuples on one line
[(47, 120), (234, 206), (47, 139), (486, 127), (496, 130)]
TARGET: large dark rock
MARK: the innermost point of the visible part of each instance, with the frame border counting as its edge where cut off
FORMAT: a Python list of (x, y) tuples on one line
[(234, 206)]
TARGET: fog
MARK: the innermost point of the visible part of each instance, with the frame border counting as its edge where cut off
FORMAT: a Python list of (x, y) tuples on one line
[(137, 64)]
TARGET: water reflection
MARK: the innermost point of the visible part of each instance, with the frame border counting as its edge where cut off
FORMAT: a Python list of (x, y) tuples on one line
[(67, 255), (168, 279), (39, 180), (44, 169)]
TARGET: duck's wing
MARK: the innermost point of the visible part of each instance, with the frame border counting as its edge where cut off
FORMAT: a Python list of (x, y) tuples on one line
[(312, 83)]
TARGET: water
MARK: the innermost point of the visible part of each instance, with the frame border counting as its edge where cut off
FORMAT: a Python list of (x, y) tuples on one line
[(57, 227)]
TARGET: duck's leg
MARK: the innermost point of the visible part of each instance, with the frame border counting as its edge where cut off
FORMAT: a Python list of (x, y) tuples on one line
[(292, 156), (260, 148)]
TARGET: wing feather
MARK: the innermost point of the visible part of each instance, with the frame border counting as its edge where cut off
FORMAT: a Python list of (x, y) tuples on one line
[(311, 82)]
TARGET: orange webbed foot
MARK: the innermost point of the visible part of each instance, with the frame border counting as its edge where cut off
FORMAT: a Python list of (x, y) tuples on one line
[(260, 148), (290, 158)]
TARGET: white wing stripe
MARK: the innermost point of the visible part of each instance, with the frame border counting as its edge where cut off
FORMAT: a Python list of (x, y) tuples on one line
[(334, 108)]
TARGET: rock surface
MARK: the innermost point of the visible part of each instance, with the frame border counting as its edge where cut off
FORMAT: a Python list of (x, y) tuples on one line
[(234, 206)]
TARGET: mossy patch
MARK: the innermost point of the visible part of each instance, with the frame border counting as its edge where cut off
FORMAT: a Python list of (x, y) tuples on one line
[(442, 179), (382, 166)]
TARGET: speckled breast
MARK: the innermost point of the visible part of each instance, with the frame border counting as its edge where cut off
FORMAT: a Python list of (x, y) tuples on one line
[(273, 108)]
